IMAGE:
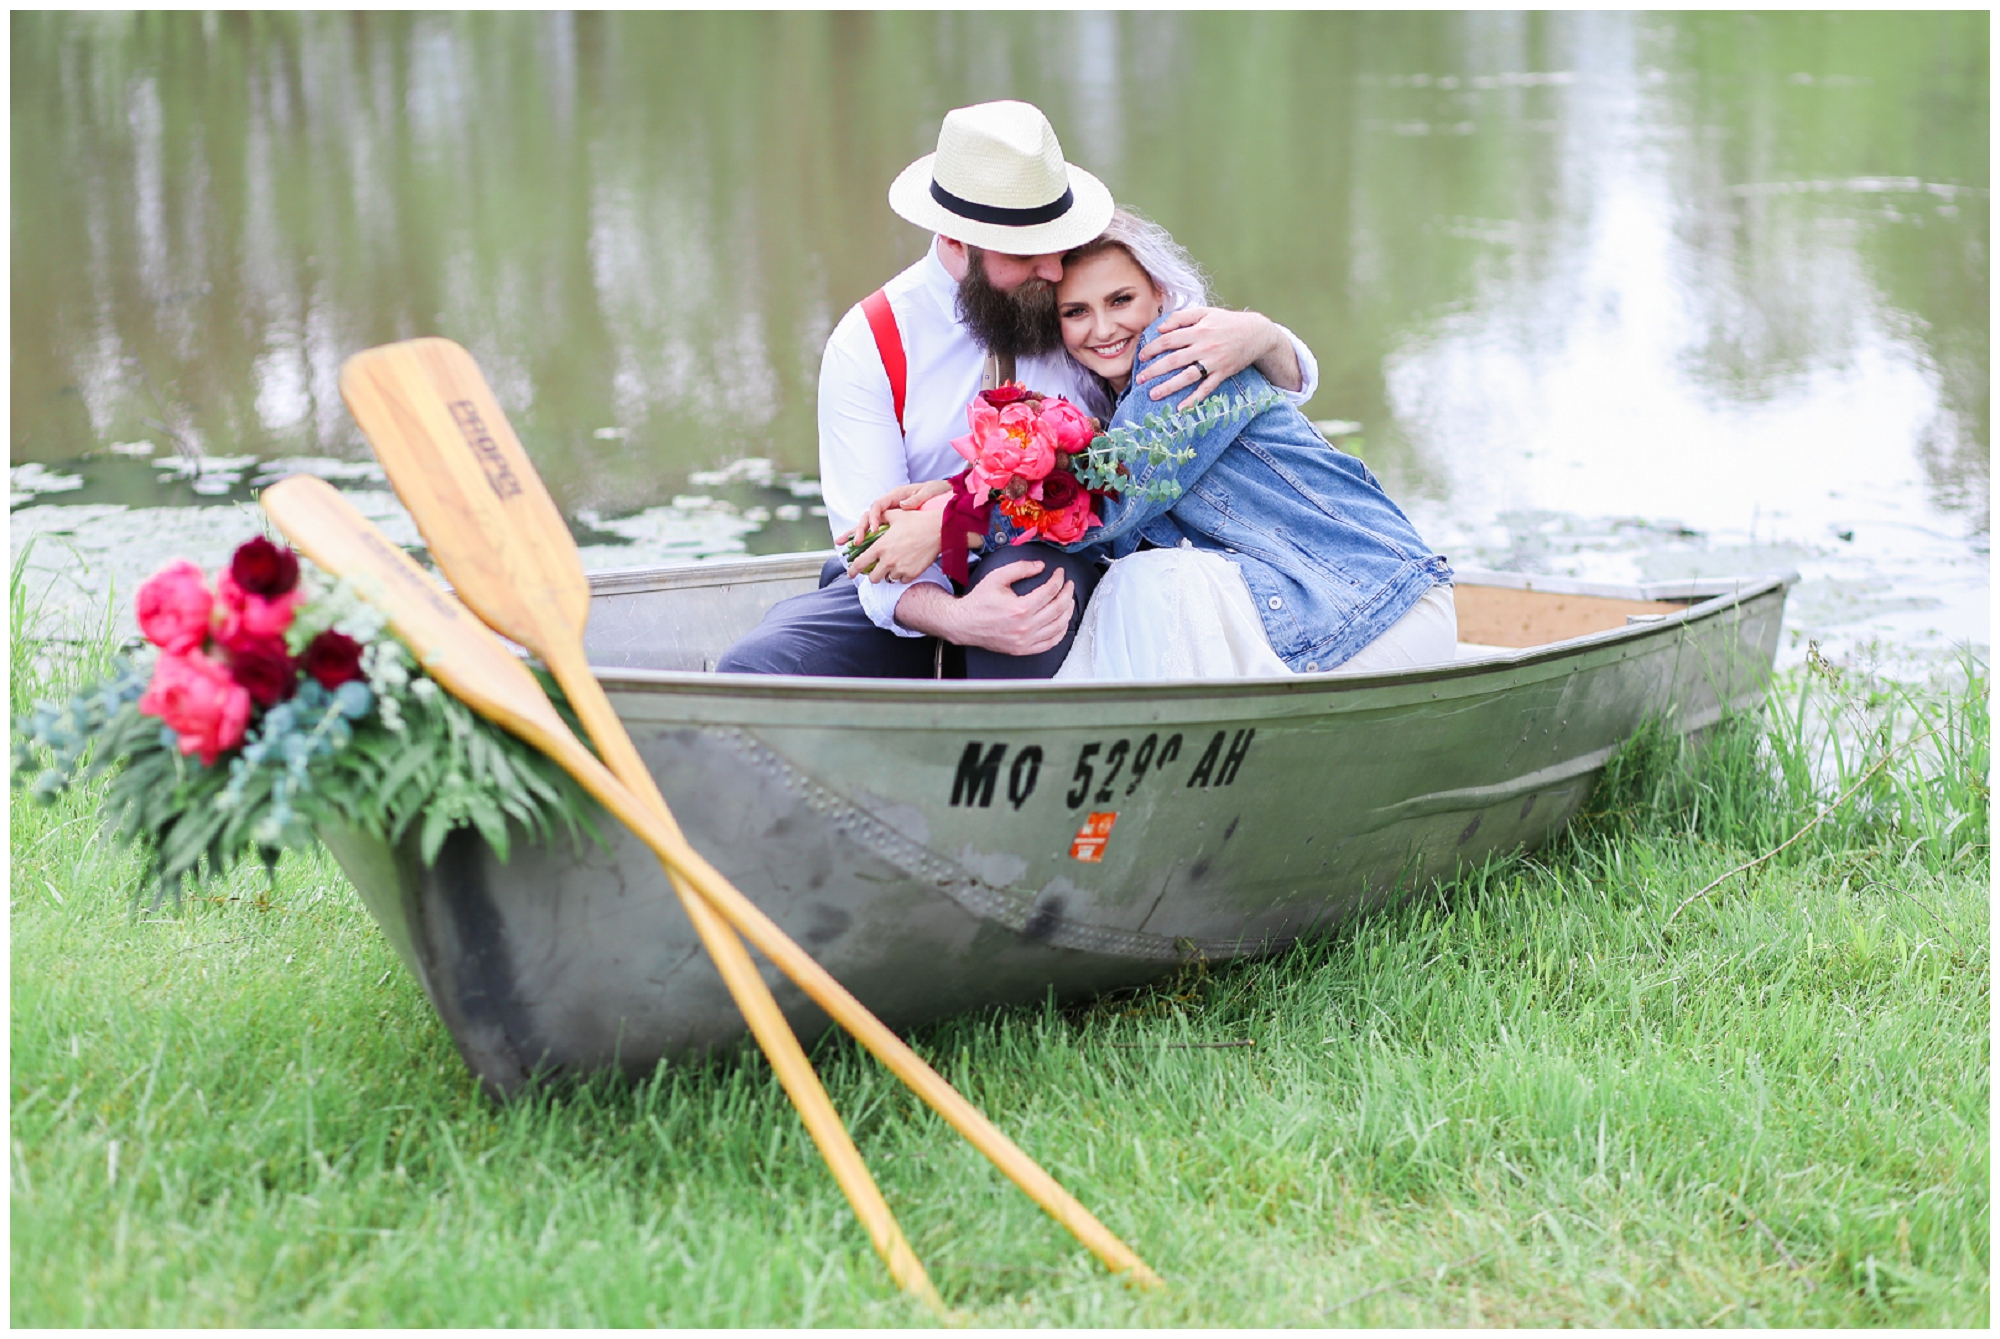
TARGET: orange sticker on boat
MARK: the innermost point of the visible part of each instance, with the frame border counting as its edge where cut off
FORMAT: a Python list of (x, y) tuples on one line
[(1092, 836)]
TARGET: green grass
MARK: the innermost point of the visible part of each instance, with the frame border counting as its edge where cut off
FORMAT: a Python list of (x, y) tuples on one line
[(1519, 1099)]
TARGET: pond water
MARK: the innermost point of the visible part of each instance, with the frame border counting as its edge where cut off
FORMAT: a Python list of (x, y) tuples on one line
[(1621, 296)]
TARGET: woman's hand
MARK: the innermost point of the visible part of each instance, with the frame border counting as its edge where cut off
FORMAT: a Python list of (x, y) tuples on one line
[(1224, 342), (908, 497), (911, 546)]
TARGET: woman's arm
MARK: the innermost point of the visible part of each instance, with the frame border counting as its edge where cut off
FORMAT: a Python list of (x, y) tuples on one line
[(1130, 511), (1224, 342)]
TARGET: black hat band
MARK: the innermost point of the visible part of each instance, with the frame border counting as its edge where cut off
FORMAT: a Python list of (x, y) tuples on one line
[(1012, 218)]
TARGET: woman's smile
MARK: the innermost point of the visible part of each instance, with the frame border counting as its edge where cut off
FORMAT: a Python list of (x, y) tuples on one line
[(1105, 302)]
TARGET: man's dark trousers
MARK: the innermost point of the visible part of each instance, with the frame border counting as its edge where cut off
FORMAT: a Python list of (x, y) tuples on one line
[(827, 632)]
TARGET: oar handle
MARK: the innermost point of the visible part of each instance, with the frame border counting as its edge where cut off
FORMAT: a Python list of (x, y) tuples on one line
[(788, 1061), (907, 1065), (667, 842), (767, 1022)]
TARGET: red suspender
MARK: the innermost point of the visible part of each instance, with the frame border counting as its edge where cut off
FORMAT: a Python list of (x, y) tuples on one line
[(889, 343)]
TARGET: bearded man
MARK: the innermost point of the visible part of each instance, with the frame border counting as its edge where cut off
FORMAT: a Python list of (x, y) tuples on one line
[(977, 311)]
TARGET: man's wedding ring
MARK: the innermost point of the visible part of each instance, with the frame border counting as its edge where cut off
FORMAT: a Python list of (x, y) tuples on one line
[(1202, 368)]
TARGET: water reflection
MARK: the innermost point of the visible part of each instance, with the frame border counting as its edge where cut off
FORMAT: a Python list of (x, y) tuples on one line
[(1610, 294)]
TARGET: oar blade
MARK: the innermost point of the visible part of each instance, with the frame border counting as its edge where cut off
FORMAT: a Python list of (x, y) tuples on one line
[(453, 458), (454, 647)]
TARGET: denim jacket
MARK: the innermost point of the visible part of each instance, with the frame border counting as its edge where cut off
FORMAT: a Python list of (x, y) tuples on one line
[(1329, 559)]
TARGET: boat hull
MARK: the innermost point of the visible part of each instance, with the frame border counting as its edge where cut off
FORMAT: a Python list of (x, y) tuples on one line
[(944, 845)]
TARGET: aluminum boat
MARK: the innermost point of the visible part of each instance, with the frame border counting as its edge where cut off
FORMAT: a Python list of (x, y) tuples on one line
[(941, 845)]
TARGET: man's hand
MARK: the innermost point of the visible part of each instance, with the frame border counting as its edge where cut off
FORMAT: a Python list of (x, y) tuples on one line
[(991, 616), (908, 497), (901, 555), (1224, 342)]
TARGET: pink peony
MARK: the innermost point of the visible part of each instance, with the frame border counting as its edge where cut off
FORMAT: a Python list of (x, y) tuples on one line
[(1066, 525), (196, 699), (245, 615), (1004, 443), (1071, 427), (174, 607)]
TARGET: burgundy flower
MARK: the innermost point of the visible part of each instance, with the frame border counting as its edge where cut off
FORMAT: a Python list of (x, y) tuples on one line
[(263, 668), (332, 658), (1004, 395), (1059, 490), (263, 568)]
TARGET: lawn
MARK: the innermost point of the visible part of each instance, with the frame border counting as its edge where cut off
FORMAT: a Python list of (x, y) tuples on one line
[(1529, 1097)]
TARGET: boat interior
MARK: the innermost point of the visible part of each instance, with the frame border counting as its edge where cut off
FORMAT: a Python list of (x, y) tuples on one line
[(1504, 618), (684, 616)]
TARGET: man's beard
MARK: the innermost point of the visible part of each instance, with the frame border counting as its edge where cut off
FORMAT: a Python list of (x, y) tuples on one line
[(1019, 324)]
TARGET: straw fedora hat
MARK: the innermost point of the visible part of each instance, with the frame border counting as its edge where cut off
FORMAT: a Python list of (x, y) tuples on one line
[(998, 181)]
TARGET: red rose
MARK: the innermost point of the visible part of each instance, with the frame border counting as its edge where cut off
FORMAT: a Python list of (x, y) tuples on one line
[(332, 658), (263, 568), (1004, 395), (1059, 490), (262, 666)]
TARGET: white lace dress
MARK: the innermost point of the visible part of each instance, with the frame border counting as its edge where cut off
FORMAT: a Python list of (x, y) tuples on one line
[(1171, 614)]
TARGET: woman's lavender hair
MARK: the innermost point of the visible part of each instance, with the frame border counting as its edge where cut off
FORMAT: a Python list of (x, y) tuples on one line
[(1164, 260), (1166, 263)]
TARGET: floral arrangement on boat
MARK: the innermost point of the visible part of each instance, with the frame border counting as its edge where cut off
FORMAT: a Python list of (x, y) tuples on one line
[(275, 704), (1048, 467)]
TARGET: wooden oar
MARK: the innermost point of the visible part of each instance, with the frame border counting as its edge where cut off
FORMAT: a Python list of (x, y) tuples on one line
[(460, 653), (493, 529)]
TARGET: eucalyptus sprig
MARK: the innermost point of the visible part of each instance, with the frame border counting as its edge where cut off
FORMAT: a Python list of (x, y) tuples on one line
[(1161, 438)]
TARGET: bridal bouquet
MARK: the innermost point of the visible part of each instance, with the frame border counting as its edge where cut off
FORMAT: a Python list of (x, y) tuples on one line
[(1048, 466), (274, 704), (1023, 450)]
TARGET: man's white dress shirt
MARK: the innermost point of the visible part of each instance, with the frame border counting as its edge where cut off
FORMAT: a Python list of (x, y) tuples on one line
[(863, 455)]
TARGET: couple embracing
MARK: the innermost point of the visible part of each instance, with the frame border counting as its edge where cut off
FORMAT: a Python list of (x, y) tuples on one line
[(1268, 552)]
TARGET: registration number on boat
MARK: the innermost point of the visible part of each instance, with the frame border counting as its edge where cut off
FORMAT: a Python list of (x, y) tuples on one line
[(1100, 768)]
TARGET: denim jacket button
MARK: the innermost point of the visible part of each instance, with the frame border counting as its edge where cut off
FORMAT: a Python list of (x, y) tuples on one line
[(1276, 603), (1186, 543), (1312, 667)]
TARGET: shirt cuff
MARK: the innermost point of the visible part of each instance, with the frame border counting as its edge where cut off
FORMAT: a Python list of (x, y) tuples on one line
[(879, 598), (1308, 371)]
